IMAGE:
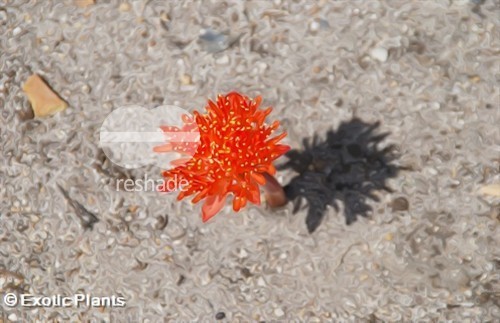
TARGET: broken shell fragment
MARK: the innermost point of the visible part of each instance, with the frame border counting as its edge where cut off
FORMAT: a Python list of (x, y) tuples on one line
[(44, 101)]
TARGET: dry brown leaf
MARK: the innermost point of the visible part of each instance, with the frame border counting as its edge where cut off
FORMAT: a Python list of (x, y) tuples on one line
[(44, 101), (492, 189)]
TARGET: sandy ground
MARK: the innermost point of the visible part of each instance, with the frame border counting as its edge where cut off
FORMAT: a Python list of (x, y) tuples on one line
[(402, 225)]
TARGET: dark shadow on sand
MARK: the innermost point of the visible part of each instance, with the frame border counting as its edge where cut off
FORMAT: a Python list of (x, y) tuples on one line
[(347, 166)]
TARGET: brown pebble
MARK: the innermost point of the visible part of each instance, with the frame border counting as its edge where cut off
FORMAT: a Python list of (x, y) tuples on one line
[(220, 316), (400, 204), (475, 78), (246, 272), (133, 208), (26, 114)]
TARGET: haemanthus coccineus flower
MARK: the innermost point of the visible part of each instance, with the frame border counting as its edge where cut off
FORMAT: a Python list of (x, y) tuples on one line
[(235, 154)]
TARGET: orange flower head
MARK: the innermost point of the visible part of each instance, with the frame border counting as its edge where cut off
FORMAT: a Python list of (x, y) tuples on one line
[(234, 153)]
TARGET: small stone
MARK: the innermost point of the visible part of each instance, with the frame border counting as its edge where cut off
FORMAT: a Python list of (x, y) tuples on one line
[(314, 26), (400, 204), (279, 312), (475, 78), (213, 41), (243, 253), (379, 54), (186, 79), (3, 15), (12, 317), (124, 7), (44, 101), (389, 236), (84, 3), (133, 208), (16, 31), (220, 316), (164, 16), (34, 218), (493, 190), (223, 60), (245, 272), (85, 89), (261, 67)]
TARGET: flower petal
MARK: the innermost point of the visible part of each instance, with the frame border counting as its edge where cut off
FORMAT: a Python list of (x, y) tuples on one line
[(163, 148), (234, 155), (259, 178), (213, 204)]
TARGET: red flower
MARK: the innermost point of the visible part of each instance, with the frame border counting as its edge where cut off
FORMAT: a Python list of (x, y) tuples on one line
[(234, 154)]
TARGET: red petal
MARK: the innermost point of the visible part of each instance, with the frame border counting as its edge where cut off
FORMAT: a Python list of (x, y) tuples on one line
[(259, 178), (163, 148), (169, 128), (237, 203), (200, 196), (212, 206), (253, 194), (258, 101), (180, 161), (281, 149), (274, 140)]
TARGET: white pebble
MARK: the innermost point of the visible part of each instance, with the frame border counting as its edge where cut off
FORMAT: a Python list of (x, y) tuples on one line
[(379, 54), (222, 60), (16, 31), (243, 253), (12, 317), (262, 67), (435, 106), (314, 26), (279, 312), (85, 89)]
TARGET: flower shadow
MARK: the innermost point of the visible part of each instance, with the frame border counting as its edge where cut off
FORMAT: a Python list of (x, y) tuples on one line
[(348, 166)]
